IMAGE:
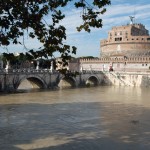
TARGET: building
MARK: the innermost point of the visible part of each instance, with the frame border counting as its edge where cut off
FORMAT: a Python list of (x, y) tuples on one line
[(126, 49), (131, 40)]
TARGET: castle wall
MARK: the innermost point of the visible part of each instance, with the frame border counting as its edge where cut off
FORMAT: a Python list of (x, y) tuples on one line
[(128, 48), (137, 64)]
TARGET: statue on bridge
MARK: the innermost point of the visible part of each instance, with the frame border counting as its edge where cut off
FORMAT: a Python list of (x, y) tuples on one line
[(7, 66), (52, 67), (37, 66)]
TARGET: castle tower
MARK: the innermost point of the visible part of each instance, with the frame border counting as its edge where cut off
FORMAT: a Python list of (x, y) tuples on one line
[(130, 40)]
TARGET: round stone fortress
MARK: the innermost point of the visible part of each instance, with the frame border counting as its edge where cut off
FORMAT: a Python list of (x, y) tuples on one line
[(130, 40)]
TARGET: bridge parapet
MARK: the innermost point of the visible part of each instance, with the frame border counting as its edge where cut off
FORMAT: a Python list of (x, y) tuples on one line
[(26, 70)]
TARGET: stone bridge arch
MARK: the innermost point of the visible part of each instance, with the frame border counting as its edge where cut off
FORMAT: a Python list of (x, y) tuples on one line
[(35, 81), (92, 80), (67, 81)]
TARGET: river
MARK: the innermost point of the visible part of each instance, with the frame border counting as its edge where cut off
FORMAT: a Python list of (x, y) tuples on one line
[(97, 118)]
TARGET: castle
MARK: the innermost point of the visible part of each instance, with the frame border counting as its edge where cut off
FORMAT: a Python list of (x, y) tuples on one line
[(129, 40), (127, 49)]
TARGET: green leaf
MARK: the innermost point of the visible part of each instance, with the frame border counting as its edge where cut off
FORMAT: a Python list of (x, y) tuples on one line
[(23, 19)]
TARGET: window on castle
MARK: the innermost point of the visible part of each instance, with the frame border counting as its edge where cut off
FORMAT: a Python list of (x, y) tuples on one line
[(148, 39), (118, 39)]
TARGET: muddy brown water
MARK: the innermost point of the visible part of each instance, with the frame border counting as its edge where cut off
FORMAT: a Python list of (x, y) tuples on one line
[(97, 118)]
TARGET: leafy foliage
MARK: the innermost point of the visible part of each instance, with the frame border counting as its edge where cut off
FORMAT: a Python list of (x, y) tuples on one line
[(20, 16)]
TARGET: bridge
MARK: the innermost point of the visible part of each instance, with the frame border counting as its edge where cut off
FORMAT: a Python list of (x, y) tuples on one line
[(45, 79)]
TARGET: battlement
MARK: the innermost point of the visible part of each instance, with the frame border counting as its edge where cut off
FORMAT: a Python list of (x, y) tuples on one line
[(117, 59)]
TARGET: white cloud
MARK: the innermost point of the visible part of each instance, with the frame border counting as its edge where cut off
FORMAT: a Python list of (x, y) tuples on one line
[(119, 15), (115, 15)]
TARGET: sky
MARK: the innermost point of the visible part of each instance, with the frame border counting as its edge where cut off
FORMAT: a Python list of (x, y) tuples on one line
[(88, 44)]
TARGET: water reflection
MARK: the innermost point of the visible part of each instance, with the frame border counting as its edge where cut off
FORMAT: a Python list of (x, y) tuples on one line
[(86, 118)]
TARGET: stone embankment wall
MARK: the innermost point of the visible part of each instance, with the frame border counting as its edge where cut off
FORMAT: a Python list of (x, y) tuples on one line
[(127, 79)]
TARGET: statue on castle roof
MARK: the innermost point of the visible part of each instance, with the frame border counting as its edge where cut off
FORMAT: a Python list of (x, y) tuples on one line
[(131, 18)]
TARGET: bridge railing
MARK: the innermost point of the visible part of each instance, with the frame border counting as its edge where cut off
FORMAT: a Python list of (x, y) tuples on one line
[(26, 70), (90, 71), (35, 71)]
